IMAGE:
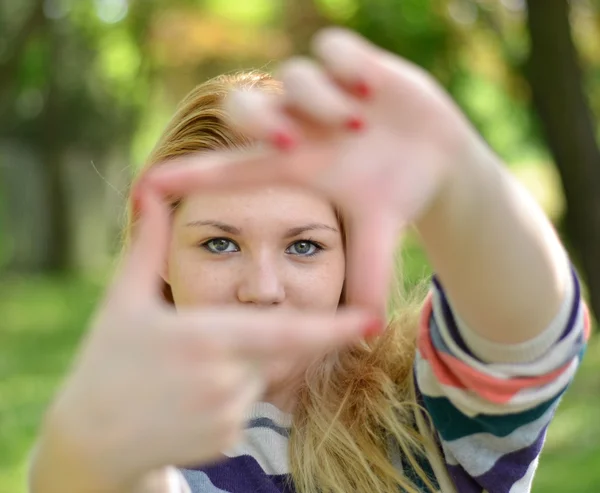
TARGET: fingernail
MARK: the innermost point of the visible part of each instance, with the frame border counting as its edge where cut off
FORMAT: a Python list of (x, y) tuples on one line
[(283, 140), (363, 90), (355, 124), (373, 328)]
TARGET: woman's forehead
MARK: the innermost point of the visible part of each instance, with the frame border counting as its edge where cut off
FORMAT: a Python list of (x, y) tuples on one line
[(284, 204)]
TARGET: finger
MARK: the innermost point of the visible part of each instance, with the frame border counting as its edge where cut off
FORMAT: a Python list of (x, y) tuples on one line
[(372, 240), (139, 277), (219, 170), (259, 115), (296, 335), (350, 59), (312, 94), (255, 335)]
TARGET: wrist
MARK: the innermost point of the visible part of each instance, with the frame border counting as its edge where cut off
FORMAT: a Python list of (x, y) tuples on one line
[(462, 192), (62, 463)]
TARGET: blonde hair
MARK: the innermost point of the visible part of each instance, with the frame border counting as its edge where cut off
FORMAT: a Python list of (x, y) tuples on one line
[(356, 405)]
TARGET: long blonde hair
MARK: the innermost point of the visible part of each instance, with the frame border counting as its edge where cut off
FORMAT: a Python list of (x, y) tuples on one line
[(357, 407)]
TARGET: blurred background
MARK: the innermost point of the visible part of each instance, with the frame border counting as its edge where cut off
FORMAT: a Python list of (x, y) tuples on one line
[(87, 85)]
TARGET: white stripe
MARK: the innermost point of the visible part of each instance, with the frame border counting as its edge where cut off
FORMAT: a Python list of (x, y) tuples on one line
[(478, 453), (448, 455), (268, 447), (546, 392), (554, 358)]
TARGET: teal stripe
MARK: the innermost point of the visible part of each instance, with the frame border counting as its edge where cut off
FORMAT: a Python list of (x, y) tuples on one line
[(452, 424)]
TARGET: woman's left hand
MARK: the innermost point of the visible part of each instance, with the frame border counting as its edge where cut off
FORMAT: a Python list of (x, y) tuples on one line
[(367, 128)]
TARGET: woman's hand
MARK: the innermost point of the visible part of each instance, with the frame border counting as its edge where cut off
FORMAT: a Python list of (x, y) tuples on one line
[(153, 387), (370, 130), (378, 136)]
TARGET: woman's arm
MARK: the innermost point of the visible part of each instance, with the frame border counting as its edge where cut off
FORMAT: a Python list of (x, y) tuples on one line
[(495, 252)]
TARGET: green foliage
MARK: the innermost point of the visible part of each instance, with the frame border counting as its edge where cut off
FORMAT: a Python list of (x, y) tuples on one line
[(257, 12), (504, 121), (415, 29), (43, 320)]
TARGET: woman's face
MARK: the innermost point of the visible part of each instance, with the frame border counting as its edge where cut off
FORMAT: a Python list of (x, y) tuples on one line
[(270, 248)]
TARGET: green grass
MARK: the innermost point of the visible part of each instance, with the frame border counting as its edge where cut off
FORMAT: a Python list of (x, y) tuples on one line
[(42, 322)]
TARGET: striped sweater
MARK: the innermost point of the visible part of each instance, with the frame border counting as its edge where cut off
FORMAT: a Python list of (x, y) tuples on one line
[(490, 405)]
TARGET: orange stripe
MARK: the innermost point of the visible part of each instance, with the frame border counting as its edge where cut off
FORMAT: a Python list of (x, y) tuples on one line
[(587, 323), (444, 375), (497, 390), (453, 372)]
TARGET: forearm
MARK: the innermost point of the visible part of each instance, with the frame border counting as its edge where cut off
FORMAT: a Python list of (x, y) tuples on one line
[(496, 253)]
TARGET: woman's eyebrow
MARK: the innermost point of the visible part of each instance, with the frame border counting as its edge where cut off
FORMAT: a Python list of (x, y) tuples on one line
[(228, 228), (308, 227)]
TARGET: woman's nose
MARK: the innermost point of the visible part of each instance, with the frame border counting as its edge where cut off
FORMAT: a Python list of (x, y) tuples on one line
[(261, 282)]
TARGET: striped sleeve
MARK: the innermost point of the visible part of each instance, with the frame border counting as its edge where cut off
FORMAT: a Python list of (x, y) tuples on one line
[(490, 403)]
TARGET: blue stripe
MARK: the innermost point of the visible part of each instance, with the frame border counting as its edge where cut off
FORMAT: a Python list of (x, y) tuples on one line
[(452, 424), (511, 467), (449, 319), (270, 424)]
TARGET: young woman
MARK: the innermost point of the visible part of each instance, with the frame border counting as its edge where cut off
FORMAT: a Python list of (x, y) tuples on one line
[(240, 348)]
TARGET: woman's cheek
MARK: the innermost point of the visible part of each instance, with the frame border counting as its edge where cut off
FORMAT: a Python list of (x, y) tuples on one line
[(197, 282), (320, 288)]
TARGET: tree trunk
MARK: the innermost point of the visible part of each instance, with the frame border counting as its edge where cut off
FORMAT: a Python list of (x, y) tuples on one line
[(23, 225), (301, 20), (556, 80), (59, 253)]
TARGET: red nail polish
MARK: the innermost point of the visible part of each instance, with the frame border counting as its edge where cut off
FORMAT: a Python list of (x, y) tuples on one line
[(355, 124), (283, 140), (363, 90), (374, 328)]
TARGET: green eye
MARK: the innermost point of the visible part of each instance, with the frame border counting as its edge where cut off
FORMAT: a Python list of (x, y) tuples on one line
[(220, 245), (304, 248)]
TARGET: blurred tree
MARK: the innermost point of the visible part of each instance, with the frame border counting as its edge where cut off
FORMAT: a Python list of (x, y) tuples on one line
[(558, 94), (74, 79)]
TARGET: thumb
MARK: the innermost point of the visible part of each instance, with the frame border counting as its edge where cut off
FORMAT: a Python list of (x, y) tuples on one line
[(139, 278)]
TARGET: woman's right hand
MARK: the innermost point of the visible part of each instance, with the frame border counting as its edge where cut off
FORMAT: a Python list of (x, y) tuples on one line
[(153, 386)]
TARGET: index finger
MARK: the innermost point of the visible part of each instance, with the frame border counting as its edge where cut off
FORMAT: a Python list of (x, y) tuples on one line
[(219, 170), (139, 277), (252, 334)]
